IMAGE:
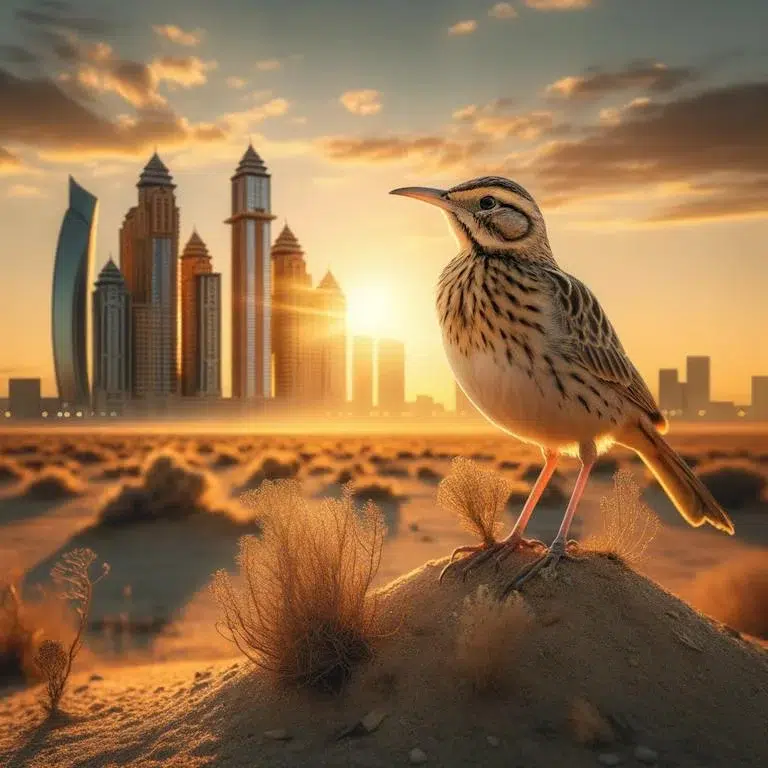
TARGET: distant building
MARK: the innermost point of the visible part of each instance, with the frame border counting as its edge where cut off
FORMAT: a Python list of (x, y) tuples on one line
[(464, 406), (251, 279), (24, 398), (362, 373), (195, 260), (208, 336), (671, 391), (71, 284), (425, 406), (759, 408), (112, 349), (291, 319), (697, 385), (330, 340), (721, 411), (149, 246), (391, 360)]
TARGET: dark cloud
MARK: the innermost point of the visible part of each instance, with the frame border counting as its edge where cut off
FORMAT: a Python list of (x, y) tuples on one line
[(8, 160), (650, 76), (60, 16), (37, 112), (17, 54)]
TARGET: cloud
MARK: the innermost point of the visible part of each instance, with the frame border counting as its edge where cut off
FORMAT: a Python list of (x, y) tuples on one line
[(17, 54), (237, 83), (362, 102), (651, 76), (558, 5), (268, 65), (425, 151), (494, 119), (38, 113), (24, 190), (502, 11), (466, 27), (178, 35), (185, 71), (59, 17), (239, 123)]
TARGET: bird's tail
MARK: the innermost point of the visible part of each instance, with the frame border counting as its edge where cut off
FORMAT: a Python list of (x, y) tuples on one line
[(691, 497)]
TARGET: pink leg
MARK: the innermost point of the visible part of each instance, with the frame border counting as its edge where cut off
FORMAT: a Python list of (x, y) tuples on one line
[(542, 481), (557, 550)]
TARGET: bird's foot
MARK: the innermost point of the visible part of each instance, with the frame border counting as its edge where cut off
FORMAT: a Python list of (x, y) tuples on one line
[(545, 565), (482, 553)]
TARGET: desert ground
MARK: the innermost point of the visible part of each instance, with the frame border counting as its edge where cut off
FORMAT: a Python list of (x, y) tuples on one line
[(656, 658)]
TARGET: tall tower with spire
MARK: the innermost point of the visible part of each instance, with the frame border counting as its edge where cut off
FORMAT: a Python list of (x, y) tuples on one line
[(112, 353), (195, 260), (149, 246), (291, 316), (331, 341), (251, 279)]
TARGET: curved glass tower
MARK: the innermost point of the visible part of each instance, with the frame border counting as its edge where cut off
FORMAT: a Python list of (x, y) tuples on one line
[(71, 283)]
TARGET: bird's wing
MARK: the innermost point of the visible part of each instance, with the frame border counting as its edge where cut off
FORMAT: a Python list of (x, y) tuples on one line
[(591, 342)]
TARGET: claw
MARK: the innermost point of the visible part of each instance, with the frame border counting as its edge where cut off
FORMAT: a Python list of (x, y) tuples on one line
[(547, 562), (481, 553)]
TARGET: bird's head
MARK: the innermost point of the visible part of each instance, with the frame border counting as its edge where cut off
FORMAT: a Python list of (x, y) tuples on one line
[(491, 214)]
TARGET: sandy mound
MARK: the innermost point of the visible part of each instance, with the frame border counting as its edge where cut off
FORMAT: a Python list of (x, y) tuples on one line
[(610, 664)]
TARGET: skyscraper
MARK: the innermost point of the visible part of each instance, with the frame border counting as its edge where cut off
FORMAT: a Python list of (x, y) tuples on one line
[(149, 246), (112, 352), (670, 391), (24, 398), (195, 260), (697, 385), (362, 373), (71, 283), (291, 318), (391, 357), (251, 279), (208, 336), (759, 408), (331, 341)]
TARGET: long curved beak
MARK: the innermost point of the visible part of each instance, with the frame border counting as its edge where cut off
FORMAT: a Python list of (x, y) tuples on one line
[(427, 195)]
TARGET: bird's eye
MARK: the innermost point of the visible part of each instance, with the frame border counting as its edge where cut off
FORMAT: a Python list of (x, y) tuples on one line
[(487, 202)]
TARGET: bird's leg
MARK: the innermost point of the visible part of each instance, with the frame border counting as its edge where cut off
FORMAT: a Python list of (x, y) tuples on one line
[(558, 549), (481, 553)]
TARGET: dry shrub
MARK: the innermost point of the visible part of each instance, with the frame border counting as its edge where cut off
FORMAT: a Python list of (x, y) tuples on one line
[(319, 469), (377, 493), (271, 468), (628, 525), (169, 489), (72, 576), (304, 613), (20, 635), (10, 472), (226, 459), (477, 496), (736, 593), (735, 484), (89, 457), (489, 631), (428, 475), (53, 485)]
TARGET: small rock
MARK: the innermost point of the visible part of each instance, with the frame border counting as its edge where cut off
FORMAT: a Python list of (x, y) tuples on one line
[(95, 678), (548, 619), (494, 741), (646, 755), (609, 758), (373, 720), (417, 756), (81, 689), (277, 734)]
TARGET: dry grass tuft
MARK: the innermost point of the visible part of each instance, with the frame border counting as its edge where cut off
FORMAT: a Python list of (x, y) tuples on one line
[(270, 468), (488, 633), (628, 524), (10, 472), (736, 593), (477, 496), (303, 613), (587, 725), (20, 635)]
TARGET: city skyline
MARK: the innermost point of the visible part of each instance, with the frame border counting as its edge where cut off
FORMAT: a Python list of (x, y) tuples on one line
[(343, 116)]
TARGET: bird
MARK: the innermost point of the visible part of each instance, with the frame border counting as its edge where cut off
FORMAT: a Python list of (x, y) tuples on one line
[(534, 351)]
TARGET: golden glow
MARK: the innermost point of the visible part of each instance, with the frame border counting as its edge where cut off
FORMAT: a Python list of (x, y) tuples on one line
[(369, 309)]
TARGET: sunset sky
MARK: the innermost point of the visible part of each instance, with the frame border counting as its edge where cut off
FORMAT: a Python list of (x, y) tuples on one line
[(641, 127)]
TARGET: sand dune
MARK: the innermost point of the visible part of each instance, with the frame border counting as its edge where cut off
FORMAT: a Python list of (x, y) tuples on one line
[(611, 666)]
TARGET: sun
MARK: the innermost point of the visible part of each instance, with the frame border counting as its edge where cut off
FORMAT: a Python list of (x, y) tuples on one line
[(369, 309)]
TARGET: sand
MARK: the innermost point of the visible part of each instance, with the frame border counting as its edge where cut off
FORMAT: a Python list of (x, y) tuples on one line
[(661, 676)]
